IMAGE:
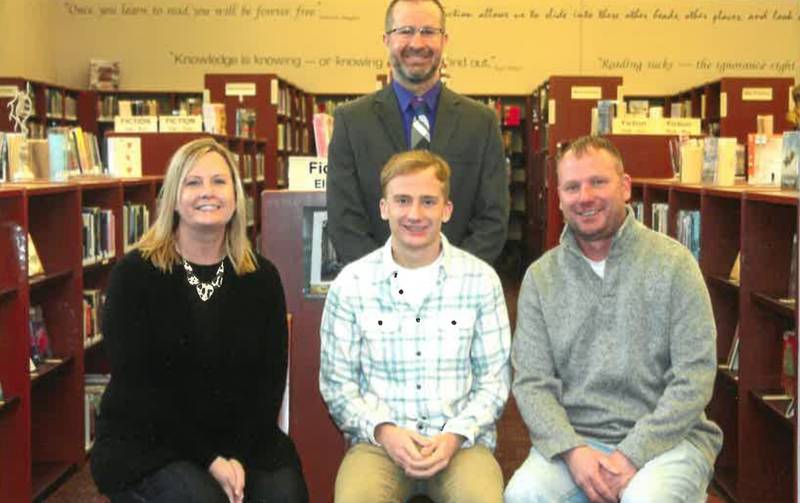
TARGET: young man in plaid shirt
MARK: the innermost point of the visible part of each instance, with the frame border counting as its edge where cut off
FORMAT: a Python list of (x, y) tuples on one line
[(415, 353)]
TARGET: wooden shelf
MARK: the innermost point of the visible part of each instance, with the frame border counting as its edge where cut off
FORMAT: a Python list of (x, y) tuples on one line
[(8, 291), (46, 279), (774, 405), (724, 283), (725, 480), (730, 376), (9, 403), (47, 475), (100, 265), (48, 369), (775, 305)]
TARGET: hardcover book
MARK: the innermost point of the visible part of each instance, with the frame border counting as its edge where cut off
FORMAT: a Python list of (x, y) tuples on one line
[(764, 161), (35, 266), (124, 156), (790, 162), (39, 340)]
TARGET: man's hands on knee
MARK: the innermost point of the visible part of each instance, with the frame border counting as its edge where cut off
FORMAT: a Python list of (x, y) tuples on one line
[(419, 456), (592, 471), (617, 471)]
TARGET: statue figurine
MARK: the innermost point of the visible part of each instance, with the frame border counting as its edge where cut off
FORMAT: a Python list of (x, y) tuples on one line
[(20, 109)]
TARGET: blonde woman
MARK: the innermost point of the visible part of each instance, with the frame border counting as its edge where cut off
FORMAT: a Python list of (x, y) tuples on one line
[(195, 330)]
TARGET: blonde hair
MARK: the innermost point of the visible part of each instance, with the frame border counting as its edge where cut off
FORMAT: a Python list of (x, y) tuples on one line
[(158, 244), (414, 161)]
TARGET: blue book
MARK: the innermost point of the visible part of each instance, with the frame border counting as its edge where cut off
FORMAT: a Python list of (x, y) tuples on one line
[(57, 146)]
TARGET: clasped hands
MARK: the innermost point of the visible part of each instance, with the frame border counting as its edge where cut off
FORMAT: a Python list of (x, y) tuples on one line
[(230, 475), (419, 456), (602, 477)]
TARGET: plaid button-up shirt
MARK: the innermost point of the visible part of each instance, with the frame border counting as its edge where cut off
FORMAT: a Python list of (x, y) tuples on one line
[(442, 366)]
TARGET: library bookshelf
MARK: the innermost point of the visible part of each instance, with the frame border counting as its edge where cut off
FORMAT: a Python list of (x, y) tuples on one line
[(757, 462), (52, 105), (561, 111), (42, 419), (283, 116)]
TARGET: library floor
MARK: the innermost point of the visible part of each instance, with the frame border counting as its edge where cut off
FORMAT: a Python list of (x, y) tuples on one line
[(513, 442)]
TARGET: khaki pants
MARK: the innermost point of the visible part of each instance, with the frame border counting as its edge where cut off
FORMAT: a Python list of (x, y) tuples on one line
[(368, 475)]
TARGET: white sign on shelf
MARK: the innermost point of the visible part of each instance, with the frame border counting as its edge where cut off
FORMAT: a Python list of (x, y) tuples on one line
[(240, 89), (756, 94), (11, 91), (307, 173), (180, 123), (136, 124), (586, 92)]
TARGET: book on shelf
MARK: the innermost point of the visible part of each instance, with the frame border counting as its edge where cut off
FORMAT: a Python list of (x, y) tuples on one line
[(93, 300), (764, 159), (790, 160), (98, 234), (791, 291), (691, 160), (214, 120), (31, 366), (791, 408), (639, 108), (638, 210), (3, 158), (250, 210), (39, 158), (512, 115), (103, 74), (124, 155), (688, 230), (323, 131), (19, 169), (260, 166), (35, 266), (719, 161), (660, 216), (245, 122), (40, 347), (789, 363), (732, 361), (93, 388), (135, 221), (58, 154), (735, 274), (765, 125)]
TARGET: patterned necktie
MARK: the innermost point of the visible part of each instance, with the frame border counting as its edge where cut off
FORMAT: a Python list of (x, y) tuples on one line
[(420, 127)]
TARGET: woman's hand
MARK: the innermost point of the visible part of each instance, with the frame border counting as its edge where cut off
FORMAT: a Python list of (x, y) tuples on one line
[(230, 475)]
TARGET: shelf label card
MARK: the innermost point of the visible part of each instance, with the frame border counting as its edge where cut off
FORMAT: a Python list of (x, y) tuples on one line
[(633, 125), (180, 124), (723, 105), (240, 89), (273, 92), (11, 91), (136, 124), (680, 126), (586, 92), (307, 173), (756, 94), (551, 111)]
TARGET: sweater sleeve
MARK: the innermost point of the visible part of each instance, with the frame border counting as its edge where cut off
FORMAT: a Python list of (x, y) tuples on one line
[(537, 388), (690, 380), (255, 430), (136, 376)]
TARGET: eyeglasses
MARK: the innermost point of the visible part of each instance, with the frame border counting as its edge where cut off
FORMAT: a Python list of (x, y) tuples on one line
[(410, 31)]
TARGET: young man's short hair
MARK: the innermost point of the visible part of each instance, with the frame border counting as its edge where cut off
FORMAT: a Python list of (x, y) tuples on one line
[(414, 161)]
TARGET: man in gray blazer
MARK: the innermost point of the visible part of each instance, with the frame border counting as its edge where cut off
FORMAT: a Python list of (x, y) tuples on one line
[(416, 111)]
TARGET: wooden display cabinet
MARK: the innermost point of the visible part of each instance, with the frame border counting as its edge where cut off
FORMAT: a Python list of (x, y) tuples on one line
[(52, 105)]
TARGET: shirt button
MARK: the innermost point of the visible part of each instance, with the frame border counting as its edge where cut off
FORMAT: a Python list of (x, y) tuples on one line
[(420, 426), (380, 322), (417, 319), (453, 322), (419, 353), (395, 275), (419, 386), (401, 291)]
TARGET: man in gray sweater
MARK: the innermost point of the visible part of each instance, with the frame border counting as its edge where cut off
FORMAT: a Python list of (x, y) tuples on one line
[(614, 353)]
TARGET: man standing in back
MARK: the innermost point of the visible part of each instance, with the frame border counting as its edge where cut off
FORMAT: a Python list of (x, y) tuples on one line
[(416, 112)]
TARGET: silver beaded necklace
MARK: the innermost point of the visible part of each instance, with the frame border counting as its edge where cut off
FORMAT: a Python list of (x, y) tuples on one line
[(204, 290)]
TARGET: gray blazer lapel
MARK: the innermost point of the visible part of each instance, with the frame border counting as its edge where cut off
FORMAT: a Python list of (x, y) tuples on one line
[(446, 119), (388, 112)]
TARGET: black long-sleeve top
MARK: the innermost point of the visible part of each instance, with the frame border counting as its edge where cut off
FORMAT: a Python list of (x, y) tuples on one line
[(191, 380)]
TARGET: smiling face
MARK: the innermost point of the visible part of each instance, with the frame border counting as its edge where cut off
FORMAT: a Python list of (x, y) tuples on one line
[(415, 60), (593, 192), (206, 198), (416, 207)]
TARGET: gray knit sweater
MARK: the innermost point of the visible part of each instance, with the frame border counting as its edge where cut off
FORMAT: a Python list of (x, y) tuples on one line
[(628, 359)]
